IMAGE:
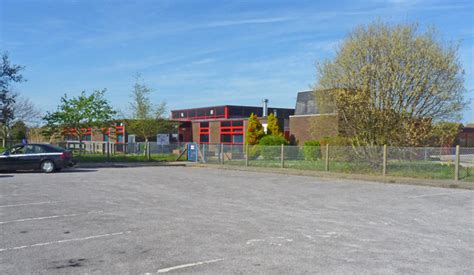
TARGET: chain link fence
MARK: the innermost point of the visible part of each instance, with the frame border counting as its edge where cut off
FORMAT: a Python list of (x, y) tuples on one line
[(424, 162), (91, 151), (415, 162)]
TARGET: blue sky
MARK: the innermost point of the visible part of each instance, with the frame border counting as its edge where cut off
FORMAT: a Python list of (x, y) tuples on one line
[(198, 53)]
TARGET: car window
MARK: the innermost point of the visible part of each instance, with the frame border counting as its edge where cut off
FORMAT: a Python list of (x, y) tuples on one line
[(17, 150), (29, 149), (51, 148), (34, 149)]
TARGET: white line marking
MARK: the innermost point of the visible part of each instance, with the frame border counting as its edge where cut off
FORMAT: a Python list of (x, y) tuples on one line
[(64, 241), (25, 204), (40, 218), (438, 194), (188, 265), (52, 217)]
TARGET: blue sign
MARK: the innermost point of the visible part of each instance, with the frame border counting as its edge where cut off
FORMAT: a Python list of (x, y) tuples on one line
[(193, 151)]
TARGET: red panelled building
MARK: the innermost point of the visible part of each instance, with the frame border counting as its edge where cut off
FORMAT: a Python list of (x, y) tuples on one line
[(222, 124)]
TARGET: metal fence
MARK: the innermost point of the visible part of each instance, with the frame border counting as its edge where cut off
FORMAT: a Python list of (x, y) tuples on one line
[(431, 163), (112, 148), (416, 162)]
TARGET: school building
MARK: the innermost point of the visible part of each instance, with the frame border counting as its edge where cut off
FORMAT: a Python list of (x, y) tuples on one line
[(224, 124)]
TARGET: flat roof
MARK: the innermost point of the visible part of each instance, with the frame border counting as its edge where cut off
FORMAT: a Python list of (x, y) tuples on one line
[(238, 106)]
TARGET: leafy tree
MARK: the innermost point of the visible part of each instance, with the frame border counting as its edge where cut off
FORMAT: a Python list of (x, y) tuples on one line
[(272, 126), (255, 130), (9, 74), (147, 120), (79, 113), (19, 130), (389, 83), (445, 133)]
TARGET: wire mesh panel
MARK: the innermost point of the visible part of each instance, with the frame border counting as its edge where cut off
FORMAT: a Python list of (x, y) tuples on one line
[(233, 154), (264, 156), (360, 160), (466, 164), (421, 162), (210, 153), (304, 157)]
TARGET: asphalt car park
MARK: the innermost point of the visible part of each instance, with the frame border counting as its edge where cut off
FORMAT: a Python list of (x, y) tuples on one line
[(204, 220)]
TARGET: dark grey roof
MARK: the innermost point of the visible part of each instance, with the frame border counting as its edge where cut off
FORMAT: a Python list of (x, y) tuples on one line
[(306, 103)]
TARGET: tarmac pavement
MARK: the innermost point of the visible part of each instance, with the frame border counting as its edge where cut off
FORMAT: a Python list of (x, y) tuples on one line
[(204, 220)]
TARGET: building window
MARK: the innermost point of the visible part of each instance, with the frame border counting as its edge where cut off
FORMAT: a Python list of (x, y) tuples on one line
[(232, 132), (204, 138), (237, 138), (204, 132), (225, 138)]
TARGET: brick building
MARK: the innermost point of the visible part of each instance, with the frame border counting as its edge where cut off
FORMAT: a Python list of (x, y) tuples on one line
[(116, 134), (223, 124), (466, 137), (310, 123)]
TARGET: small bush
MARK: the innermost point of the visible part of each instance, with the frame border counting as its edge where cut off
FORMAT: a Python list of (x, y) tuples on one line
[(273, 140), (270, 146), (312, 150), (335, 141)]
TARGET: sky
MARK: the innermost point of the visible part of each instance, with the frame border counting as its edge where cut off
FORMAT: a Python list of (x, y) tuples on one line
[(196, 53)]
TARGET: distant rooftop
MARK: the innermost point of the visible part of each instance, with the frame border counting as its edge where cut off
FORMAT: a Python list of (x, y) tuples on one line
[(306, 104)]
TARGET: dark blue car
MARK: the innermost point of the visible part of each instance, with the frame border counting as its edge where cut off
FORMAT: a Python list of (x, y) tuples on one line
[(45, 157)]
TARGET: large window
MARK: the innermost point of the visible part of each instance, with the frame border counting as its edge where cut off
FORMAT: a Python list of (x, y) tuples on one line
[(204, 132), (232, 132)]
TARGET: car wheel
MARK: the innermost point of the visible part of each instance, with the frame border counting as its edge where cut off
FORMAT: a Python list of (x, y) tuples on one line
[(47, 166)]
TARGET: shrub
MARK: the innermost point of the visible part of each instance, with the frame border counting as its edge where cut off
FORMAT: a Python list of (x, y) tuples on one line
[(272, 140), (312, 150), (270, 146), (336, 141)]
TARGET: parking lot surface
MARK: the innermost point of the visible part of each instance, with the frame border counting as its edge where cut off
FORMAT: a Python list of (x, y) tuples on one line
[(204, 220)]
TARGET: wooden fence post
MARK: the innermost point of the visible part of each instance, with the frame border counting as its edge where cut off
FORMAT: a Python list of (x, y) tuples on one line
[(384, 162), (148, 151), (282, 156), (327, 158), (246, 155), (222, 154), (457, 163)]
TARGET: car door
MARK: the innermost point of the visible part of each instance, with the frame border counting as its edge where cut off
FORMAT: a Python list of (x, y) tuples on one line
[(32, 158), (4, 160), (15, 159)]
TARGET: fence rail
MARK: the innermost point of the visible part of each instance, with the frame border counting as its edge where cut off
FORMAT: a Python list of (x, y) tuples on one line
[(417, 162), (425, 162)]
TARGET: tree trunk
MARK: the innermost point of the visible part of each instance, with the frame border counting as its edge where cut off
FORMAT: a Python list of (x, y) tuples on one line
[(146, 147)]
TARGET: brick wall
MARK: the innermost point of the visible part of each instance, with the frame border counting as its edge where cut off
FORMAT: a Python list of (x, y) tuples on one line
[(214, 132), (313, 127), (196, 131)]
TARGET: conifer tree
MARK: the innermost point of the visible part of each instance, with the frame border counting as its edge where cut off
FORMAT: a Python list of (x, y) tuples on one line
[(272, 126), (254, 130)]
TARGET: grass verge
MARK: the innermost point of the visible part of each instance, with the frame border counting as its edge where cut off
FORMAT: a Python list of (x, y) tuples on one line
[(94, 158)]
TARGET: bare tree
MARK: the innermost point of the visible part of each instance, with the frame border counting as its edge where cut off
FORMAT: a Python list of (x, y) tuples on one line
[(22, 110), (147, 119)]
